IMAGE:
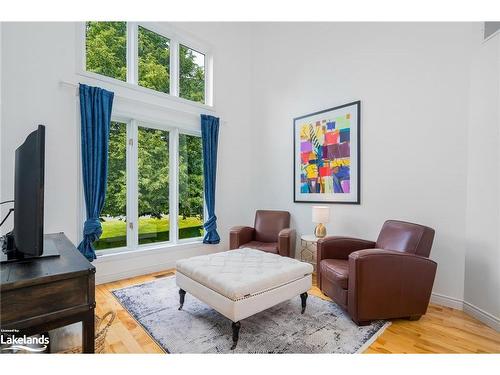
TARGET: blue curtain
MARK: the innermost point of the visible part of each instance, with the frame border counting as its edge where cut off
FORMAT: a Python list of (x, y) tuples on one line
[(95, 110), (210, 137)]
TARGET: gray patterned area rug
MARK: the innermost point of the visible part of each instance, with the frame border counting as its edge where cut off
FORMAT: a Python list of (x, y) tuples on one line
[(197, 328)]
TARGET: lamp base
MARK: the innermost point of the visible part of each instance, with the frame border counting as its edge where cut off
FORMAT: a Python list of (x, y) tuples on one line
[(320, 231)]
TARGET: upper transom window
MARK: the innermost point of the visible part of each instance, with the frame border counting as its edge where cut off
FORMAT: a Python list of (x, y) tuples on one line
[(136, 54)]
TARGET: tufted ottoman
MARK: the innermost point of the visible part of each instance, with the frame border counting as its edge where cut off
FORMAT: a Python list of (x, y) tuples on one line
[(240, 283)]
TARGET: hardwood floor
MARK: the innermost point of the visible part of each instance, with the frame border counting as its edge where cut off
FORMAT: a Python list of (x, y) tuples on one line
[(441, 330)]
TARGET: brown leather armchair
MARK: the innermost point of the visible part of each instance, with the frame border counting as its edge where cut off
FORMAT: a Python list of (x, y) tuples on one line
[(270, 233), (390, 278)]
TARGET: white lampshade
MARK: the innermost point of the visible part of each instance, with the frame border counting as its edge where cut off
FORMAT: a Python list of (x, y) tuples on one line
[(320, 214)]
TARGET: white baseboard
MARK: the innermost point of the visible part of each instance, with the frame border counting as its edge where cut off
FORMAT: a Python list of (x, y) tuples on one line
[(474, 311), (441, 299), (103, 278), (483, 316), (123, 266)]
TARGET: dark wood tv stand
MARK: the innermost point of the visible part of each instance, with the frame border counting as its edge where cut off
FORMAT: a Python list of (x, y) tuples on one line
[(38, 295)]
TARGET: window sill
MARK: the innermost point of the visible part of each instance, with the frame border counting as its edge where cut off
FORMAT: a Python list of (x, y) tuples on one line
[(116, 254), (134, 88)]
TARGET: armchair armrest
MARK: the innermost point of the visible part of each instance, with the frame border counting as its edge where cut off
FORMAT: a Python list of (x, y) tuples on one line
[(335, 247), (386, 284), (239, 236), (286, 242)]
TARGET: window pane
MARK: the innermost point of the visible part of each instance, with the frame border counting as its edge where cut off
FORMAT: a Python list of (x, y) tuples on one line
[(106, 44), (192, 74), (113, 216), (190, 187), (154, 61), (153, 177)]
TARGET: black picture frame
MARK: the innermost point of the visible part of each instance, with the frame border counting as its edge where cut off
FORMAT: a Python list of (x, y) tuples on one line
[(357, 200)]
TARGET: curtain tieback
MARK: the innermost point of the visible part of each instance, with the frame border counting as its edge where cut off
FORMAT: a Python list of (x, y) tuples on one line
[(92, 229), (211, 224)]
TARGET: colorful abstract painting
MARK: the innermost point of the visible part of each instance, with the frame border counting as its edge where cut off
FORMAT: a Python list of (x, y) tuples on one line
[(327, 155)]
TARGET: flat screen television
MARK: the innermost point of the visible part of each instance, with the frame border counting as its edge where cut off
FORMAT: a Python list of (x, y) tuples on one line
[(26, 241), (28, 194)]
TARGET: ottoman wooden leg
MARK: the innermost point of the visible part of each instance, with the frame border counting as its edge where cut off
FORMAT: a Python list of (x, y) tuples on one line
[(182, 295), (303, 298), (236, 334)]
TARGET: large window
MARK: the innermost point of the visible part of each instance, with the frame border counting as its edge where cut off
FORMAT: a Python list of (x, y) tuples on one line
[(155, 174), (148, 56)]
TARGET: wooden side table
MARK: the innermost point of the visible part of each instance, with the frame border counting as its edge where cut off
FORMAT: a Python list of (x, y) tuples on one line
[(308, 249), (39, 295)]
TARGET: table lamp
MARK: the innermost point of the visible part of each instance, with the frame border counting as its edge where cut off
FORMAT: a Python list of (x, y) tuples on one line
[(320, 216)]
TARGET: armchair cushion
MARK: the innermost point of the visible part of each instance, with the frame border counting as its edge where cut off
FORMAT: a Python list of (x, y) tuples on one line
[(270, 247), (335, 270)]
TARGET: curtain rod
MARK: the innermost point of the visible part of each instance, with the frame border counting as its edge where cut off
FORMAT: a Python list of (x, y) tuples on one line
[(76, 86)]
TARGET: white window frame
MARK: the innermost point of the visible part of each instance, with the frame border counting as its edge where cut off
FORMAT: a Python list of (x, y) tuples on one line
[(176, 38), (132, 210)]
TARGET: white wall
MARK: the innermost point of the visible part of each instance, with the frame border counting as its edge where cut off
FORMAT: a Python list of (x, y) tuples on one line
[(482, 260), (37, 56), (32, 64), (413, 82), (1, 206)]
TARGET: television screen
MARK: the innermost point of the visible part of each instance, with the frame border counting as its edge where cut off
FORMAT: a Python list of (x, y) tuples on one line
[(28, 194)]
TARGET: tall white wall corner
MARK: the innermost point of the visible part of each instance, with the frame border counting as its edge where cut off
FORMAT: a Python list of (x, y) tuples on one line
[(482, 257), (1, 198)]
